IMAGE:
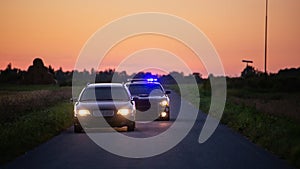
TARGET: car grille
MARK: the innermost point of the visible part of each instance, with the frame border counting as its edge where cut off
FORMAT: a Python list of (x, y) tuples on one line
[(103, 113), (142, 105)]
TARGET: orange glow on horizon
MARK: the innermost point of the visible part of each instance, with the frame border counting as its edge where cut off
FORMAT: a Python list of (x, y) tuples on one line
[(57, 30)]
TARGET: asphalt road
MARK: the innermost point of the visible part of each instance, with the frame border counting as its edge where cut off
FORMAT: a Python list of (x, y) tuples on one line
[(225, 149)]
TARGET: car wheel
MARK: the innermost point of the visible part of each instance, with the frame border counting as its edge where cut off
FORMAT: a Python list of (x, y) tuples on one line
[(131, 127), (78, 129)]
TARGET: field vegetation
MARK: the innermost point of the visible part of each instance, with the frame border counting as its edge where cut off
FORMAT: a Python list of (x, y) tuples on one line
[(30, 115), (264, 110)]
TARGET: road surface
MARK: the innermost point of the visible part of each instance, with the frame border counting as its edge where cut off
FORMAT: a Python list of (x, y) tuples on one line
[(225, 149)]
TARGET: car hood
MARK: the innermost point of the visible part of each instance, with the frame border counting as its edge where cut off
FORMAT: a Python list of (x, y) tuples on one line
[(105, 105), (154, 98)]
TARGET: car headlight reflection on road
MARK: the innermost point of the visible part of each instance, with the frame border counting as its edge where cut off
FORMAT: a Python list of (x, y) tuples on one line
[(164, 103), (123, 112), (83, 112)]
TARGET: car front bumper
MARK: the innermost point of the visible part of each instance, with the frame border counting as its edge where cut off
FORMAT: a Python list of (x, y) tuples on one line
[(100, 122)]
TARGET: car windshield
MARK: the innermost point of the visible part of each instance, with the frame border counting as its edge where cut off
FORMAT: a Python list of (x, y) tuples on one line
[(104, 93), (146, 89)]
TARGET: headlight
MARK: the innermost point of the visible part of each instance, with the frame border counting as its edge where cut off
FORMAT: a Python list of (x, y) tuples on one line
[(164, 103), (83, 112), (163, 114), (123, 112)]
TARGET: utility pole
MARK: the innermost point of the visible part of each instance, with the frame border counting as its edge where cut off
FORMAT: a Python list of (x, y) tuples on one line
[(266, 36)]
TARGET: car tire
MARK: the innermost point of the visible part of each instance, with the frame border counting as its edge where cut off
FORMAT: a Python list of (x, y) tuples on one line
[(131, 127), (78, 129)]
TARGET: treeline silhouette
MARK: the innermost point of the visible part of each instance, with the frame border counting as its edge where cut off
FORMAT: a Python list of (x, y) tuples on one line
[(286, 80), (39, 74)]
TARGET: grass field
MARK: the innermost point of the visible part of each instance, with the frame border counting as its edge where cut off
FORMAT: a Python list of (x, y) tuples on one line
[(30, 115), (269, 119), (15, 88)]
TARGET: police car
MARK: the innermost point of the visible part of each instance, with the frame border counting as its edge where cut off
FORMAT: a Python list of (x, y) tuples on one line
[(151, 100)]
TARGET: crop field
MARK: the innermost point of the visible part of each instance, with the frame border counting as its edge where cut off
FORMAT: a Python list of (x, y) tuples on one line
[(30, 115)]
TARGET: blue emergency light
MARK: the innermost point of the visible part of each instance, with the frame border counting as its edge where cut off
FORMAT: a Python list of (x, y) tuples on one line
[(152, 80)]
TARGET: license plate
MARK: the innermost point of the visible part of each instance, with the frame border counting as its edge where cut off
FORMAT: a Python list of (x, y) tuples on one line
[(103, 113)]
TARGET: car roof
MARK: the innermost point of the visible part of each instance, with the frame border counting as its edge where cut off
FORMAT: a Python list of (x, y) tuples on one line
[(105, 85)]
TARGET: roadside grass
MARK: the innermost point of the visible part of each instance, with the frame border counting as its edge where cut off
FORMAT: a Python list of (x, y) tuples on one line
[(14, 104), (15, 87), (275, 103), (258, 121), (31, 115), (33, 129), (280, 135)]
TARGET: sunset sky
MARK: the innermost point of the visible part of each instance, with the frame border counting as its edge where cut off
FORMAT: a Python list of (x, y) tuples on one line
[(57, 30)]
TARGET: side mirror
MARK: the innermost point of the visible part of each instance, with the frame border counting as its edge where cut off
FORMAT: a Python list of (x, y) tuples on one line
[(132, 102), (168, 92), (134, 98), (73, 100)]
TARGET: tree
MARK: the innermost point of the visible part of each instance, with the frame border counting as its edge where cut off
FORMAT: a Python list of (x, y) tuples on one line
[(248, 72), (51, 70), (197, 76), (9, 67)]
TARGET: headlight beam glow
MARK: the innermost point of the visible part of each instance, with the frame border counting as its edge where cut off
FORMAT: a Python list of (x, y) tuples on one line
[(164, 103), (123, 112), (83, 112)]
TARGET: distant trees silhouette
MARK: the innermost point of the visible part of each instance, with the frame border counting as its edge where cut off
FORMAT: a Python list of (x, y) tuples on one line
[(38, 73), (63, 78), (285, 80), (250, 72), (11, 75)]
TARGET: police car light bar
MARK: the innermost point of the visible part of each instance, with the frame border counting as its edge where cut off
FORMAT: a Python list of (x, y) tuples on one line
[(152, 80), (142, 79)]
